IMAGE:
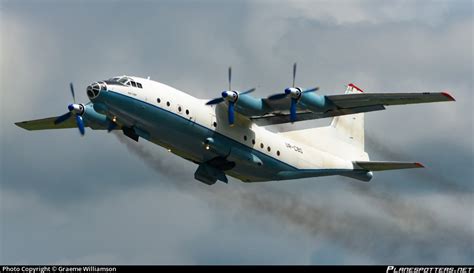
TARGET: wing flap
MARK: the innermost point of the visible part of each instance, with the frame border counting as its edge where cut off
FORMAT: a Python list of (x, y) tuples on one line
[(279, 118), (385, 165), (45, 124), (366, 99)]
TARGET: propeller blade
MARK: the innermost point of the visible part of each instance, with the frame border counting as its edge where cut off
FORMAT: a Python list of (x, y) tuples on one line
[(277, 96), (294, 74), (311, 90), (230, 77), (215, 101), (248, 91), (230, 112), (80, 124), (62, 118), (72, 92), (293, 109)]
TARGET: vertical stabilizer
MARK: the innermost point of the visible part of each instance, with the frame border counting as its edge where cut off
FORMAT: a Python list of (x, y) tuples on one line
[(351, 126)]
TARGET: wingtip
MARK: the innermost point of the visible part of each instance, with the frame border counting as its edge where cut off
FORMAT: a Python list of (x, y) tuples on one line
[(419, 165), (449, 96), (19, 123)]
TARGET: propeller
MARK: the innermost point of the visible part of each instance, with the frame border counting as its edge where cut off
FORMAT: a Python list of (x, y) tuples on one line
[(74, 109), (231, 97), (295, 93)]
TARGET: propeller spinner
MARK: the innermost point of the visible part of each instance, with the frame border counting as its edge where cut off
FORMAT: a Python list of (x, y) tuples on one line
[(231, 97), (74, 109), (294, 93)]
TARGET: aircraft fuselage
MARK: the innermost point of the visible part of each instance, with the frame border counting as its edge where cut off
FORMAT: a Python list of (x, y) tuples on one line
[(197, 132)]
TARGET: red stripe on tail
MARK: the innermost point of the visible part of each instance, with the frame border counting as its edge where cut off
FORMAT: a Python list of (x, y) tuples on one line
[(357, 88)]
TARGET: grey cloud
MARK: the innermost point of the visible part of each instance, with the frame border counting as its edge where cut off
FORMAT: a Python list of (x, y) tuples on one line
[(104, 204), (395, 218)]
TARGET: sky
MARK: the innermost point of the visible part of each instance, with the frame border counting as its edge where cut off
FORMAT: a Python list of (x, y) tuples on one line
[(103, 199)]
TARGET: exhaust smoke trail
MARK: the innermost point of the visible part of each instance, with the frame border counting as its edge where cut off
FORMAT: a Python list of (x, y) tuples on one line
[(161, 165), (355, 230), (430, 175)]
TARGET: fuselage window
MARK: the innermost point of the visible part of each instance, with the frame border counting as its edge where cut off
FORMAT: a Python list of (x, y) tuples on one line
[(187, 112), (245, 138), (133, 84), (139, 85), (158, 100), (261, 145), (179, 108), (214, 124), (269, 149), (278, 153), (168, 103), (253, 141)]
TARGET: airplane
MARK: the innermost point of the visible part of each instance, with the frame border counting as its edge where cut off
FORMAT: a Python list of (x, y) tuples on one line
[(227, 135)]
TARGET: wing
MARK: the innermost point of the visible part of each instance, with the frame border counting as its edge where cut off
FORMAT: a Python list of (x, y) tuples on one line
[(46, 123), (347, 104)]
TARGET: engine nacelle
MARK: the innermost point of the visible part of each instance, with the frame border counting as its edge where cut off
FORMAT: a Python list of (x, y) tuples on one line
[(94, 119), (100, 108), (250, 106), (315, 103)]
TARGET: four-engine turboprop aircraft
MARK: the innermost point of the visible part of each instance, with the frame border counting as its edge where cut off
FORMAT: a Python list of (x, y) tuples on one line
[(227, 135)]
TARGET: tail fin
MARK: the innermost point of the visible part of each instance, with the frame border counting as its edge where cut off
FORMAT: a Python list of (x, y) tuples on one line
[(351, 126)]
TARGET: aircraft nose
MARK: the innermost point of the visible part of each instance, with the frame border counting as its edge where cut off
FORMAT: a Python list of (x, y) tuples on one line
[(94, 89)]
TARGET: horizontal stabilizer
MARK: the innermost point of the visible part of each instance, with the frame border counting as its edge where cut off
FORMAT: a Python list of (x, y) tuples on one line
[(369, 99), (385, 165)]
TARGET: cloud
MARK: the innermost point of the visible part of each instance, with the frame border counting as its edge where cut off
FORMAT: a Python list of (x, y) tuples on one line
[(389, 218), (92, 199)]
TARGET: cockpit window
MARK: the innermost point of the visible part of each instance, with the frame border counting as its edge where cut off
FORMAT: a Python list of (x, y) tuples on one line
[(124, 80)]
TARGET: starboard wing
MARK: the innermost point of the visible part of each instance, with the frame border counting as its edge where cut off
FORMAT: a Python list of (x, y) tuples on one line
[(346, 104)]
